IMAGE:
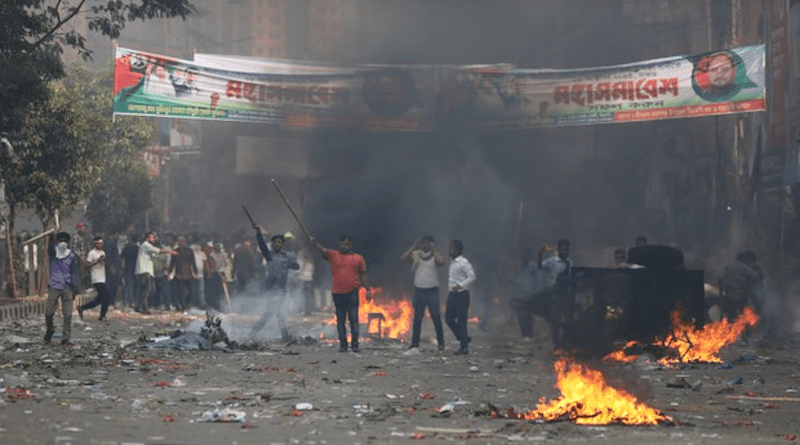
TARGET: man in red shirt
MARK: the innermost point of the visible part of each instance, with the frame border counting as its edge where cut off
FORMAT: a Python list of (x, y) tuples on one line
[(349, 272)]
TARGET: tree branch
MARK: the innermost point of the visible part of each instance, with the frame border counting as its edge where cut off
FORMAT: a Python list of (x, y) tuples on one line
[(60, 23)]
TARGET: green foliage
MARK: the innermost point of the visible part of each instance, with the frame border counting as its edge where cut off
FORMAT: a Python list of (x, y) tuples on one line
[(121, 199), (58, 154), (69, 149), (33, 36), (121, 194)]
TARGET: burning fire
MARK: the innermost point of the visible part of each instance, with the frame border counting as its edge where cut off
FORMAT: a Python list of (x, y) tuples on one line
[(704, 345), (587, 399), (397, 314), (621, 355), (693, 345)]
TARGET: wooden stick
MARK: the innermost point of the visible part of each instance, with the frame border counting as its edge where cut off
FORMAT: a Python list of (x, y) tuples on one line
[(227, 294), (291, 209), (41, 235), (766, 399), (248, 216)]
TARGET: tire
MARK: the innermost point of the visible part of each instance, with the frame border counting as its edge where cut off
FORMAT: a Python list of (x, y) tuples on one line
[(656, 256)]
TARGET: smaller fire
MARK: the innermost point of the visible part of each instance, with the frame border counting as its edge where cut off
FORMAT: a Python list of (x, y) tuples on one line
[(397, 314), (621, 355), (587, 399), (688, 344)]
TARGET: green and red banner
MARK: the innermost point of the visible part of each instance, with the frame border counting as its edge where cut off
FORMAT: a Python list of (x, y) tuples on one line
[(708, 84), (426, 98), (385, 98)]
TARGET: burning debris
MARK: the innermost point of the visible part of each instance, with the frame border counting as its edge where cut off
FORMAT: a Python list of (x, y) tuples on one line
[(686, 344), (587, 399), (392, 317)]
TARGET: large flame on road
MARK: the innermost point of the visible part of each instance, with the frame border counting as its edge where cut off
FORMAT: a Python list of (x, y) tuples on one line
[(397, 314), (587, 399), (703, 345), (695, 345)]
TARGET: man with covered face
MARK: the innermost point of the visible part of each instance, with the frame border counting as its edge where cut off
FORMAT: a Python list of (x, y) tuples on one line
[(64, 283), (425, 259), (349, 271), (279, 262)]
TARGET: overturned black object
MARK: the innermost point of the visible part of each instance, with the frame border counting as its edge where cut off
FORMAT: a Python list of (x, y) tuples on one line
[(609, 306), (656, 256)]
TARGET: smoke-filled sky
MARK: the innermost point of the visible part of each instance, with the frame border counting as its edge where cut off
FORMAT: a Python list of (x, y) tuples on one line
[(496, 192)]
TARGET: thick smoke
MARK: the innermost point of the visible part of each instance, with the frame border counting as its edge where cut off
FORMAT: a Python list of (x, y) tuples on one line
[(598, 186)]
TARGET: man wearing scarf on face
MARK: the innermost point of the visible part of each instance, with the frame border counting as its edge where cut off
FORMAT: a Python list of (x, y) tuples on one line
[(64, 283)]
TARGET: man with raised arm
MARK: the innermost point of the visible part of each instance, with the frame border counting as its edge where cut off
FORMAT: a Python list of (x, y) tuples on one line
[(349, 271)]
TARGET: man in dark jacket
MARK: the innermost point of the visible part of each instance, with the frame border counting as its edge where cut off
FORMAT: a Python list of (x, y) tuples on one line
[(279, 262)]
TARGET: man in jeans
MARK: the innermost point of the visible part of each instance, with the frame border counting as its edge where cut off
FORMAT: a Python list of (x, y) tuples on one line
[(425, 259), (349, 271), (64, 283)]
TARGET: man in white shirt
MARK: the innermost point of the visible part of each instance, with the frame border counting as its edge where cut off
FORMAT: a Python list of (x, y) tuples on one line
[(461, 275), (145, 270), (425, 259), (96, 263)]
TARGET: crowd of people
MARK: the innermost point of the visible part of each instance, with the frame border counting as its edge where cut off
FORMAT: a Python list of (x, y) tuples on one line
[(168, 271), (181, 271)]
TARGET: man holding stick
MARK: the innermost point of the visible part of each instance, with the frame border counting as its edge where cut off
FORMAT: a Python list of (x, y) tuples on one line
[(349, 271), (279, 263)]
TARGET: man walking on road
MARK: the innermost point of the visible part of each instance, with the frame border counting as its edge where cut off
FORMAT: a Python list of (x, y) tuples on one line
[(96, 262), (64, 283)]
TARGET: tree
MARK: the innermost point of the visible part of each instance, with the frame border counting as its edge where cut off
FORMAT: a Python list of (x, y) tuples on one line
[(59, 150), (121, 194), (68, 148), (33, 36), (122, 198)]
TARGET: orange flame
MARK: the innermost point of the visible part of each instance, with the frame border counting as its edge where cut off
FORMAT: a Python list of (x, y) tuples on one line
[(587, 399), (693, 345), (621, 356), (704, 345), (397, 314)]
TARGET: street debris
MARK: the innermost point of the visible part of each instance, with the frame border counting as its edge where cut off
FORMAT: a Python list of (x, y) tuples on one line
[(223, 415), (683, 382)]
